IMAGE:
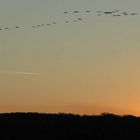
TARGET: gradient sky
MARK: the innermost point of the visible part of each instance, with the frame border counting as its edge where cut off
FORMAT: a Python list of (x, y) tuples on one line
[(87, 67)]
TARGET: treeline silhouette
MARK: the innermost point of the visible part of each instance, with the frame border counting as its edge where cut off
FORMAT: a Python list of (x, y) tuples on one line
[(61, 126)]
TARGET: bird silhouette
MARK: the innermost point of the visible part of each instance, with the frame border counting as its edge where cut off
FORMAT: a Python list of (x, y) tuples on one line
[(134, 14), (66, 21), (116, 15), (65, 12), (108, 12), (75, 20), (88, 11), (124, 13), (76, 12), (80, 19), (115, 11)]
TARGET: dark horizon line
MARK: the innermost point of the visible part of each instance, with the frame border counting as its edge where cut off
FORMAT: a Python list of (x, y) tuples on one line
[(73, 114)]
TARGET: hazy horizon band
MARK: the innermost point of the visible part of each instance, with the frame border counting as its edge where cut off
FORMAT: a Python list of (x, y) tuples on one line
[(19, 72)]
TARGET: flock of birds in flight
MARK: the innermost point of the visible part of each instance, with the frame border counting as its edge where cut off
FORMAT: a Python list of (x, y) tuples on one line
[(115, 13)]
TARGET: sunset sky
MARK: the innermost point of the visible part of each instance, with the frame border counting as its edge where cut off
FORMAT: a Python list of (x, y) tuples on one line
[(85, 67)]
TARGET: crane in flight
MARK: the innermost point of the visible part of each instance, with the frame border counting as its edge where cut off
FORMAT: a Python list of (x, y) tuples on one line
[(114, 13), (66, 12), (108, 12), (132, 14), (87, 11), (76, 12), (124, 13)]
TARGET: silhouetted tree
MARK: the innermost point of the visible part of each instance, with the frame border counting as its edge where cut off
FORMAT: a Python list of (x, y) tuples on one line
[(15, 126)]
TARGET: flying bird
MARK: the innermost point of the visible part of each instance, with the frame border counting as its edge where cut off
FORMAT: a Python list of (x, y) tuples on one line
[(115, 11), (75, 11), (134, 14), (124, 13), (75, 20), (66, 21), (88, 11), (80, 19), (108, 12), (65, 12), (116, 15)]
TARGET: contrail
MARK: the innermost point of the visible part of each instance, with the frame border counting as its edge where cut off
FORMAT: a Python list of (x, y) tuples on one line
[(22, 73)]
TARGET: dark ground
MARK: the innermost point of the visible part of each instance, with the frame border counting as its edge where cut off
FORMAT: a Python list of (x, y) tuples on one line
[(34, 126)]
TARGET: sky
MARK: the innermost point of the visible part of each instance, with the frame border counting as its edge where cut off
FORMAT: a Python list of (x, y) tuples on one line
[(85, 67)]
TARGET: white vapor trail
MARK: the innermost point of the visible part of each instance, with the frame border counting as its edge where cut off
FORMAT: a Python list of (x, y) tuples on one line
[(22, 73)]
